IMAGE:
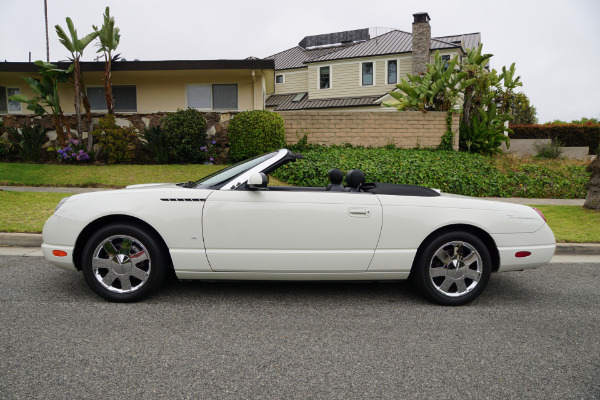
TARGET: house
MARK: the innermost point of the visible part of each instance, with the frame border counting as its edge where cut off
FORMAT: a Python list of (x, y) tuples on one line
[(148, 87), (355, 70)]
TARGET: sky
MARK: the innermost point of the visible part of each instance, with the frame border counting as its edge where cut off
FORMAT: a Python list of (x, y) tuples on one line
[(555, 44)]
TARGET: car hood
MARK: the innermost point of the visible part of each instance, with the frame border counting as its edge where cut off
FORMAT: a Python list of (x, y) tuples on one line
[(152, 185)]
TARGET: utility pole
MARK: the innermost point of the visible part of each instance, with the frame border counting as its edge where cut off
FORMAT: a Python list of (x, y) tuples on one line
[(47, 44)]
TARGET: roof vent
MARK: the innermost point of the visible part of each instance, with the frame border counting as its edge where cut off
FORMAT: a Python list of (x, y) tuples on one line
[(335, 38)]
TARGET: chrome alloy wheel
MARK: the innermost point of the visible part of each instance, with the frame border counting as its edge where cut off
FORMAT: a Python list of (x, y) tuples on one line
[(455, 268), (121, 264)]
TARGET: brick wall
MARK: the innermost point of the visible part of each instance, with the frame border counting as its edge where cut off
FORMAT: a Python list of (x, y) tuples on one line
[(406, 129)]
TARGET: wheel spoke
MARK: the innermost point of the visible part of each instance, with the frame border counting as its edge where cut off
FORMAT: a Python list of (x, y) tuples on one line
[(470, 259), (462, 287), (446, 285), (138, 257), (458, 250), (125, 246), (125, 283), (98, 263), (109, 278), (138, 273), (440, 271), (110, 249), (443, 256), (472, 274)]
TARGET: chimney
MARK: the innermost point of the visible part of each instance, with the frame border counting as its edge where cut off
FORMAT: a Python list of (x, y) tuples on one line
[(421, 42)]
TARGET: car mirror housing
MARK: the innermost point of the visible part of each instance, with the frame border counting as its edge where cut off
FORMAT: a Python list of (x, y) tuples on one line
[(258, 181)]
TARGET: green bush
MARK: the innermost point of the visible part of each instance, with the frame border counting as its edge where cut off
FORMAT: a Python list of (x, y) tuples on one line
[(120, 144), (185, 132), (452, 172), (252, 133), (571, 135), (552, 150), (29, 140), (156, 143), (5, 147)]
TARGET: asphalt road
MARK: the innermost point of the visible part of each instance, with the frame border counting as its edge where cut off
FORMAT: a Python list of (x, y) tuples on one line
[(531, 335)]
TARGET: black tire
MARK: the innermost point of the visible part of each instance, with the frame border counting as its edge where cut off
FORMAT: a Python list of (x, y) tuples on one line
[(123, 263), (453, 269)]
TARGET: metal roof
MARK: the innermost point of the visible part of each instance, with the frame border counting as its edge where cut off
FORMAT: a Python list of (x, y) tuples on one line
[(283, 102), (393, 42), (297, 56)]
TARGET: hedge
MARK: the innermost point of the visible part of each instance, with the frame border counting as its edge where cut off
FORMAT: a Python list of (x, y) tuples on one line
[(570, 135)]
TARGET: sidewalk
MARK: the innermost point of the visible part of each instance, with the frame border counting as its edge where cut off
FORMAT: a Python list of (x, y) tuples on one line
[(35, 239)]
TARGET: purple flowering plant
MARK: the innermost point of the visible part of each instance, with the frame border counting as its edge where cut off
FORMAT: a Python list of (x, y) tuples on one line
[(73, 152)]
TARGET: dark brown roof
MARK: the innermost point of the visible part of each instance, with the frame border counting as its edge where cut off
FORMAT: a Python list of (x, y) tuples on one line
[(283, 102), (149, 65)]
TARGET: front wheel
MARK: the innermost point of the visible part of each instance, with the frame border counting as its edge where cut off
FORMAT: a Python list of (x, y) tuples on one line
[(123, 263), (454, 268)]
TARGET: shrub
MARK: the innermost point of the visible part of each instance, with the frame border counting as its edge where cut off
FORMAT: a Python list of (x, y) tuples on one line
[(120, 144), (552, 150), (571, 135), (252, 133), (156, 142), (451, 171), (5, 148), (29, 140), (185, 133)]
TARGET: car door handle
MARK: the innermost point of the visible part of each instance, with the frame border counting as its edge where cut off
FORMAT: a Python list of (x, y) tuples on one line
[(359, 212)]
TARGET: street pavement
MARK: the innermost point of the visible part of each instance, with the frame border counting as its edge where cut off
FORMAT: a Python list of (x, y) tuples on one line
[(530, 335)]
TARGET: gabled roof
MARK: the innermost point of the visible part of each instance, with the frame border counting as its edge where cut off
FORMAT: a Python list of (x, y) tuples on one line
[(394, 42), (283, 102)]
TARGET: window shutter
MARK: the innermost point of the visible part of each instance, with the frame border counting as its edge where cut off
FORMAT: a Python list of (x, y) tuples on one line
[(3, 100)]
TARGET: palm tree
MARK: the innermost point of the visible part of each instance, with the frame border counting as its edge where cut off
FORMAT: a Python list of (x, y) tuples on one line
[(47, 43), (76, 47), (109, 40)]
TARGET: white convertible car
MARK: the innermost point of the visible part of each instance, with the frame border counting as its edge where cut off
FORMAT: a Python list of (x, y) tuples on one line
[(233, 225)]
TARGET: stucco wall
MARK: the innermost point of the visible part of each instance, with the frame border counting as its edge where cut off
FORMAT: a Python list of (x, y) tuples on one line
[(407, 129)]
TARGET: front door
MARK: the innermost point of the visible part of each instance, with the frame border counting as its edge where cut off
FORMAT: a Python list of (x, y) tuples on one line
[(291, 231)]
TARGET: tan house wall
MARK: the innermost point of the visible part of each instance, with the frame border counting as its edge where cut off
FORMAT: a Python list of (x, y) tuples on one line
[(407, 129), (346, 77), (295, 81), (160, 91)]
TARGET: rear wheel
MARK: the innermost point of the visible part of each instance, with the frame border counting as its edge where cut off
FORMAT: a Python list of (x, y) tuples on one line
[(123, 263), (454, 268)]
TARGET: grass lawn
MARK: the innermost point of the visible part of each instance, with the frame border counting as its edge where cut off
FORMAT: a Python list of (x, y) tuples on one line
[(27, 212), (19, 174)]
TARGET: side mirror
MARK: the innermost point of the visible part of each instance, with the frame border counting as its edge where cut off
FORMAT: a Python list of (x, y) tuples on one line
[(258, 181)]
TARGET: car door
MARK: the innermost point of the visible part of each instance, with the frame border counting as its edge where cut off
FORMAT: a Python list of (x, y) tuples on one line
[(291, 231)]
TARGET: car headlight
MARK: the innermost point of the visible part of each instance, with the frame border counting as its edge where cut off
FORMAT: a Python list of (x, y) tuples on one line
[(60, 203)]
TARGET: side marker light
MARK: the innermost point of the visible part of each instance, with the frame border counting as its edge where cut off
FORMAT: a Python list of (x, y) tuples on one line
[(59, 253), (522, 254)]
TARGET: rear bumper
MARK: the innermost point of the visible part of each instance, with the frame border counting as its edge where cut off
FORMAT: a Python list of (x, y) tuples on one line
[(540, 244)]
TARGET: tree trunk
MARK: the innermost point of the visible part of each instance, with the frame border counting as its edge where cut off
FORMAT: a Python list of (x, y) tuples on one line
[(76, 77), (110, 102), (592, 201)]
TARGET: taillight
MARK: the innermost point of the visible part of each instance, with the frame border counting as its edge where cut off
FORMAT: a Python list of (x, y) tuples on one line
[(540, 213)]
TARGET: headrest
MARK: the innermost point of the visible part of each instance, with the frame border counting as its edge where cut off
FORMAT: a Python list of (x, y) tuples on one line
[(335, 176), (355, 178)]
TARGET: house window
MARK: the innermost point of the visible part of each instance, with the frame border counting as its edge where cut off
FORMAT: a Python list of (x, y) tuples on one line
[(392, 72), (225, 96), (279, 79), (367, 73), (324, 78), (124, 95), (7, 105), (213, 96), (446, 61)]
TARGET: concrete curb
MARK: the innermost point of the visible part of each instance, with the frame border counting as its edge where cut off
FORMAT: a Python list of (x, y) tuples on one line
[(35, 240)]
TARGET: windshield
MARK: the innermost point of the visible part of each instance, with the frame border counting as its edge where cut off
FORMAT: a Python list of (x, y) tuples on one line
[(225, 175)]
